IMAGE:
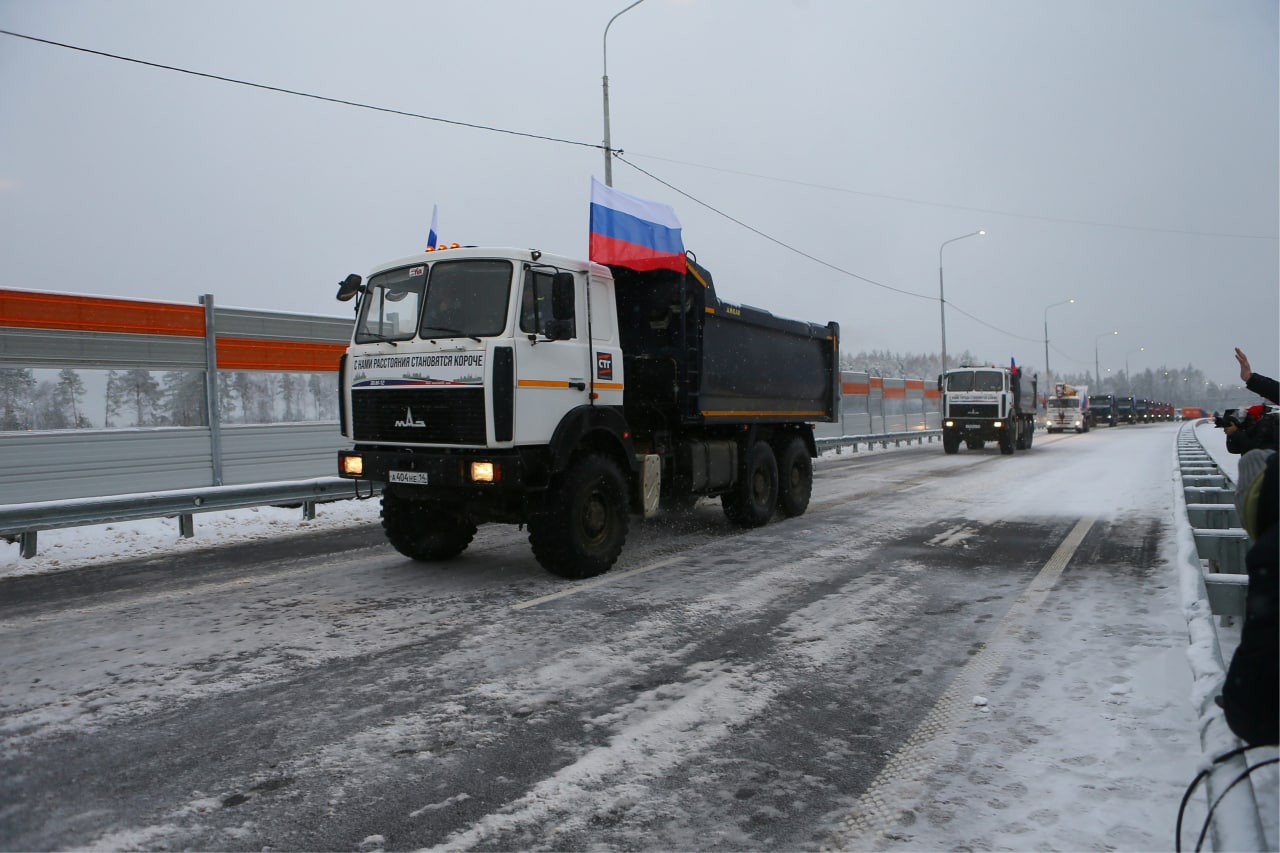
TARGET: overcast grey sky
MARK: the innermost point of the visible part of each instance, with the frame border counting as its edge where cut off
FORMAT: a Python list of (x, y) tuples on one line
[(1123, 153)]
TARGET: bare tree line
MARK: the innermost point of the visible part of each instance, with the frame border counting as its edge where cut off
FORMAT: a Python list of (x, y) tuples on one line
[(143, 398)]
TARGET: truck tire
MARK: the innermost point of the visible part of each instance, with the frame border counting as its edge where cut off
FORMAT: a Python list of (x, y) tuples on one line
[(795, 478), (582, 527), (755, 496), (1006, 440), (950, 442), (425, 531)]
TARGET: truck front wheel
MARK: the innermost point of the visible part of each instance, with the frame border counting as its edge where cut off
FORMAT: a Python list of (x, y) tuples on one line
[(1006, 440), (581, 529), (752, 501), (950, 442), (795, 478), (425, 531)]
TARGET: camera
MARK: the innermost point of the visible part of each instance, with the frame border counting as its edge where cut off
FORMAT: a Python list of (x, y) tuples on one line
[(1229, 417)]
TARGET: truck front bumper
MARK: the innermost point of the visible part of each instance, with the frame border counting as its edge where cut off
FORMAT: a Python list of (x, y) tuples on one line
[(447, 470), (985, 429)]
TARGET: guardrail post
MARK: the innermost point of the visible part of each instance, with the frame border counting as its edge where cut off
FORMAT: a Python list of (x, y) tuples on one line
[(27, 544), (186, 525), (211, 387)]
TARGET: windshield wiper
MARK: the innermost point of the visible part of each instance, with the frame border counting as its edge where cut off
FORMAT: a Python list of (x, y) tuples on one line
[(370, 338), (449, 333)]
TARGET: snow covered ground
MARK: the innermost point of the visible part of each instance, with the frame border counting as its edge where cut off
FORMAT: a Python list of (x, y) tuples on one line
[(988, 781)]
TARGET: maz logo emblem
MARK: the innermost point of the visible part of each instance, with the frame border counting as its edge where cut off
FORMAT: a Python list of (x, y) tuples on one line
[(409, 421)]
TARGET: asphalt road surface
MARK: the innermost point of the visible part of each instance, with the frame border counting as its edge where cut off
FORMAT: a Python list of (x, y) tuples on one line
[(719, 689)]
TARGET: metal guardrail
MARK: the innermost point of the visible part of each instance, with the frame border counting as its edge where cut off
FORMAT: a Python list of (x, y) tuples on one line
[(1213, 582), (897, 439), (23, 522)]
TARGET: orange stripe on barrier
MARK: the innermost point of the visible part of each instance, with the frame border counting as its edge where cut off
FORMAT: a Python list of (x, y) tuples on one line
[(932, 393), (24, 309), (862, 388), (877, 382), (895, 393), (274, 355), (914, 383)]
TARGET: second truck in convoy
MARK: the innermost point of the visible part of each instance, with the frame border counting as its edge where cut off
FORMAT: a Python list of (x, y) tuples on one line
[(981, 404), (507, 385), (1068, 408)]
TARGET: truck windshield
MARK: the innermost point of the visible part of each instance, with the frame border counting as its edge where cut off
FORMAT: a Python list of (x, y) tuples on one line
[(1055, 403), (390, 310), (467, 298), (975, 380)]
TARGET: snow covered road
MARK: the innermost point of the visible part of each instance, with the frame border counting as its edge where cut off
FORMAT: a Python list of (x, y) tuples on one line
[(946, 651)]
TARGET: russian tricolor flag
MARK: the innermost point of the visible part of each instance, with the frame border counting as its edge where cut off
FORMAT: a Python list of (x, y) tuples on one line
[(632, 232)]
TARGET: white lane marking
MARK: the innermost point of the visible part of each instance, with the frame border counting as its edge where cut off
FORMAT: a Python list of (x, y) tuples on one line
[(904, 777)]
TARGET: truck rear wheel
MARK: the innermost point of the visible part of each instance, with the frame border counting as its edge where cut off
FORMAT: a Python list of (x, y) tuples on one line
[(755, 496), (795, 478), (582, 527), (951, 442), (425, 531)]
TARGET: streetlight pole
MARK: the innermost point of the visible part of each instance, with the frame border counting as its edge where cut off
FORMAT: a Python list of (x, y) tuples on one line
[(608, 149), (1048, 377), (942, 299), (1097, 374)]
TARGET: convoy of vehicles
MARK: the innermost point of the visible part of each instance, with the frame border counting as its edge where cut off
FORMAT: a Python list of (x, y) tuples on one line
[(1068, 408), (981, 404), (507, 385)]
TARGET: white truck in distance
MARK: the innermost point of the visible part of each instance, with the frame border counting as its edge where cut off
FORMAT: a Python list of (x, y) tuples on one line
[(987, 403), (1068, 408)]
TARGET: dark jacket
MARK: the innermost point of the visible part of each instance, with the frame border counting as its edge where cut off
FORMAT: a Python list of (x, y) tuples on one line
[(1251, 692), (1264, 386)]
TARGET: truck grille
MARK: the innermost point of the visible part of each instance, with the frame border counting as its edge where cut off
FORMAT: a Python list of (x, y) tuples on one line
[(973, 410), (419, 416)]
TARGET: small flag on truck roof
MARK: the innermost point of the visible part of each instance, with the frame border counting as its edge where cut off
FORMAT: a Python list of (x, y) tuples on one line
[(629, 231)]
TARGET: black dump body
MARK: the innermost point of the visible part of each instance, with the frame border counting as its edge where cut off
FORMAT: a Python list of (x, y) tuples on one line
[(693, 360)]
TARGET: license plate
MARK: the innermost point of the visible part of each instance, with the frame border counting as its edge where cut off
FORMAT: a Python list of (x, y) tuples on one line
[(973, 426), (417, 477)]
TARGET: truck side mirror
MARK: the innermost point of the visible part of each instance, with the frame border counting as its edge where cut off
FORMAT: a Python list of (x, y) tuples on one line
[(562, 294), (349, 287)]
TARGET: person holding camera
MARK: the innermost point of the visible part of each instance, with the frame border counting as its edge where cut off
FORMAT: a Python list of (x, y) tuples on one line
[(1250, 429)]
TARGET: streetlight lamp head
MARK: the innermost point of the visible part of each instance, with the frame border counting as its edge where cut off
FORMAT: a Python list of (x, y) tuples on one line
[(982, 233)]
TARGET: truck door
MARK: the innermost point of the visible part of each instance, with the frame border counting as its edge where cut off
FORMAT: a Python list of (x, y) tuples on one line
[(551, 353)]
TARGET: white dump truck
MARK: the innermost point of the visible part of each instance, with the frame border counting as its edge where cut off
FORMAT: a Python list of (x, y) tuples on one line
[(513, 386)]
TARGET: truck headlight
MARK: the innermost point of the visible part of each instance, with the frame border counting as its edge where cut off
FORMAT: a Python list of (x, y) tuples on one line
[(948, 424), (484, 472), (998, 424), (351, 465)]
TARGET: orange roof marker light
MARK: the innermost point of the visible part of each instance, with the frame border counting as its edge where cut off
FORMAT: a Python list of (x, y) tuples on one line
[(442, 247)]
